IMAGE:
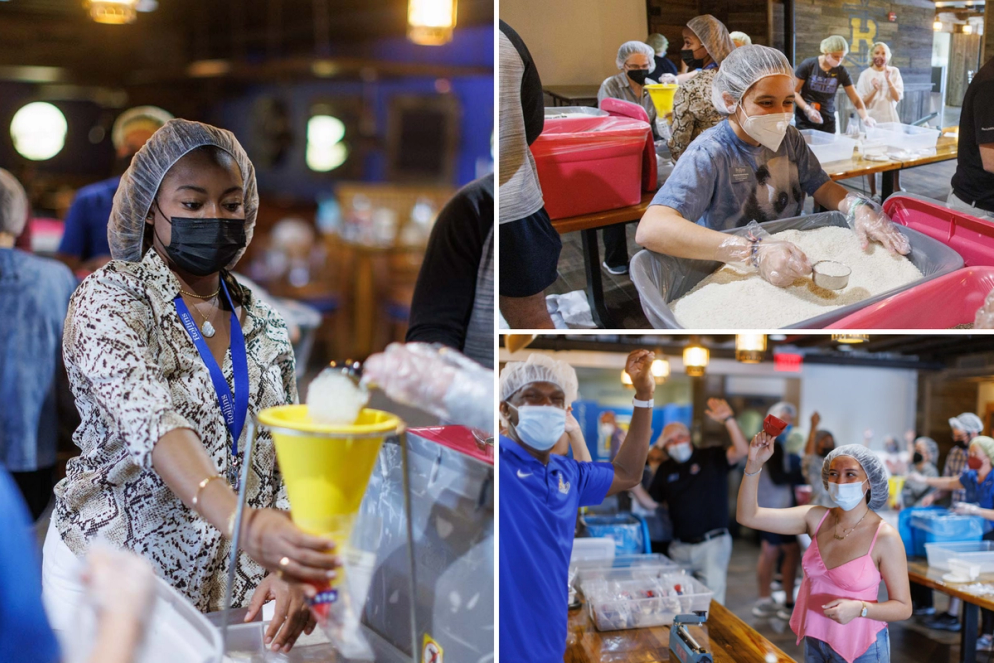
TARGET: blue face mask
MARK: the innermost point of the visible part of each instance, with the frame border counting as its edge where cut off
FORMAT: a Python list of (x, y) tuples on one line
[(540, 426)]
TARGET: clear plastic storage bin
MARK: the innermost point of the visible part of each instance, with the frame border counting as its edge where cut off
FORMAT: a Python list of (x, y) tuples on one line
[(828, 147), (901, 137), (972, 552), (641, 602), (624, 567)]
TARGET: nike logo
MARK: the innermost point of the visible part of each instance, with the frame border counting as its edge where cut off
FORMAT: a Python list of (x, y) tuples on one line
[(522, 475)]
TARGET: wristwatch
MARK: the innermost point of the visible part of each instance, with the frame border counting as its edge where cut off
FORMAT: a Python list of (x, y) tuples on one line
[(637, 403), (863, 611)]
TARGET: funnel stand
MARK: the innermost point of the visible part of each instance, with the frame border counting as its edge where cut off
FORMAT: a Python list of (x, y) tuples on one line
[(412, 584)]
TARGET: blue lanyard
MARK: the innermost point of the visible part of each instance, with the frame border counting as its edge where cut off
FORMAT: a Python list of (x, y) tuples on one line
[(234, 408)]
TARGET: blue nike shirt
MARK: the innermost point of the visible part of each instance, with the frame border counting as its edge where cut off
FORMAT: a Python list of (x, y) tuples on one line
[(538, 505)]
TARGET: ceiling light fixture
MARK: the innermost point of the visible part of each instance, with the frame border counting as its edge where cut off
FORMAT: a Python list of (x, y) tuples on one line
[(431, 22), (695, 359), (660, 370), (113, 12), (850, 338), (750, 348)]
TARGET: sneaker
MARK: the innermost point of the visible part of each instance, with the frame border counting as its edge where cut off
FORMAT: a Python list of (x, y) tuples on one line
[(765, 607), (785, 613), (924, 612), (985, 643), (617, 271), (944, 622), (776, 586)]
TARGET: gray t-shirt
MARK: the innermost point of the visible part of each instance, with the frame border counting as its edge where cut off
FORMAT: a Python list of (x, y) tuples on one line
[(722, 182), (617, 87)]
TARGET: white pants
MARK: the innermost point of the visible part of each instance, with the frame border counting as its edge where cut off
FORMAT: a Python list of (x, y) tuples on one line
[(62, 590), (960, 205), (707, 560)]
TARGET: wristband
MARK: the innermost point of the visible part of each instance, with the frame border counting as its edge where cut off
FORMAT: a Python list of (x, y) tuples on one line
[(637, 403), (752, 474)]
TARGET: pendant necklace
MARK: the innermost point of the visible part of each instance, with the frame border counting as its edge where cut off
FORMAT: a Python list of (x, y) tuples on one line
[(207, 329), (840, 538)]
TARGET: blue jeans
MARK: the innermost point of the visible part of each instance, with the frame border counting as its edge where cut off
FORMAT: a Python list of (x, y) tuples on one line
[(816, 651)]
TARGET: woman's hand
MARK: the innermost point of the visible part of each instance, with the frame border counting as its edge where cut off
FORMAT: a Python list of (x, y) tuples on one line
[(639, 368), (927, 500), (271, 539), (916, 477), (292, 615), (121, 582), (966, 509), (760, 450), (572, 425), (815, 420), (876, 82), (719, 410), (842, 610), (813, 115)]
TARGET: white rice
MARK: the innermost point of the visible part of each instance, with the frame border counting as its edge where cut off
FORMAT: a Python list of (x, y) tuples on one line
[(732, 298), (334, 399)]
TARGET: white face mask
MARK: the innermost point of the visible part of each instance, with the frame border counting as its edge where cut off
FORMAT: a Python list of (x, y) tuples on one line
[(680, 452), (540, 426), (769, 130), (607, 430), (846, 495)]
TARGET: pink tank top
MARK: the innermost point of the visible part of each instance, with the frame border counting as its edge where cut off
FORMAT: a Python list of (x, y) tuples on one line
[(857, 579)]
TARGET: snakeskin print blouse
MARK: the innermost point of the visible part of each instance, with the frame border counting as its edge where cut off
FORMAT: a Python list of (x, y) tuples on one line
[(136, 375), (693, 112)]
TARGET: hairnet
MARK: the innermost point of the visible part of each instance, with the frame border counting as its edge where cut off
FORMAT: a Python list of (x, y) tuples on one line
[(887, 54), (537, 368), (931, 446), (740, 71), (986, 444), (876, 473), (713, 34), (143, 117), (669, 429), (13, 204), (658, 42), (783, 407), (140, 182), (968, 422), (630, 48), (740, 36), (834, 44)]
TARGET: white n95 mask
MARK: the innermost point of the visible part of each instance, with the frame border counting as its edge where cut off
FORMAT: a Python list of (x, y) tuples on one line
[(846, 495), (540, 426), (769, 130), (681, 453)]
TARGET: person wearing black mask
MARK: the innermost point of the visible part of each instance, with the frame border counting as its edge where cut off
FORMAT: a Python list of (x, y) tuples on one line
[(168, 357), (820, 444)]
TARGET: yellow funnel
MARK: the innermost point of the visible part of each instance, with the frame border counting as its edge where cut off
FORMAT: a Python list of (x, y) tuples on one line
[(662, 97), (326, 468)]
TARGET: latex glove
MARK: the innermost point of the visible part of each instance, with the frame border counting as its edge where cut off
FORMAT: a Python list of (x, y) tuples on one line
[(916, 477), (119, 581), (966, 509), (869, 122), (870, 222), (669, 79), (985, 314), (780, 263), (813, 115)]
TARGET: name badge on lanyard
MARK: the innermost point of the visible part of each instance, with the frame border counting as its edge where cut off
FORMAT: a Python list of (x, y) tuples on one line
[(234, 408)]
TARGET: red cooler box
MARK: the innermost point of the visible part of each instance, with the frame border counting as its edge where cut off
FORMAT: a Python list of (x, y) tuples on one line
[(942, 303), (590, 164)]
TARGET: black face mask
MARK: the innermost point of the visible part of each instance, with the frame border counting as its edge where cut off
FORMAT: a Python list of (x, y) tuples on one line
[(917, 458), (638, 75), (826, 450), (204, 246), (687, 55)]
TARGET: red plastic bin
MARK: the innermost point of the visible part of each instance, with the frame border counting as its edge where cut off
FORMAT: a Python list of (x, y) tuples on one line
[(941, 303), (969, 236), (590, 164)]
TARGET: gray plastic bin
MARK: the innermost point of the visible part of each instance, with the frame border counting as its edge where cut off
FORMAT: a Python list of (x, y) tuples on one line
[(661, 279)]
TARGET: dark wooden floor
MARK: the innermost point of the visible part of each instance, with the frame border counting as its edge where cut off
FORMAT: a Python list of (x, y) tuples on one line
[(620, 294)]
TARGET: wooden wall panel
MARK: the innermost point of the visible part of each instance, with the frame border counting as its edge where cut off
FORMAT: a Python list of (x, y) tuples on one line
[(668, 18)]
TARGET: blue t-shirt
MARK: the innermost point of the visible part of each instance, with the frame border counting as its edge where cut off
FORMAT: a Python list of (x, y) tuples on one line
[(85, 233), (722, 182), (25, 634), (981, 493), (538, 505)]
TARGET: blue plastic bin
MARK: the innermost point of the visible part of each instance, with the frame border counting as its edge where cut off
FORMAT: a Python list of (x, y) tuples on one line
[(629, 531), (908, 533), (941, 526)]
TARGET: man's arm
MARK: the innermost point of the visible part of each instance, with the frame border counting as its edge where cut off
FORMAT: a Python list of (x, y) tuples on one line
[(630, 461)]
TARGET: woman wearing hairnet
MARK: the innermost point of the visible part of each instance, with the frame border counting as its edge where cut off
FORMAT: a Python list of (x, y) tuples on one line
[(817, 80), (752, 166), (978, 480), (705, 45), (660, 45), (923, 463), (168, 356), (852, 549)]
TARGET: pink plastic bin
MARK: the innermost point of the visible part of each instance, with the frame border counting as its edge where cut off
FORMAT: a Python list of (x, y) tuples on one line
[(941, 303), (620, 108), (590, 164), (969, 236)]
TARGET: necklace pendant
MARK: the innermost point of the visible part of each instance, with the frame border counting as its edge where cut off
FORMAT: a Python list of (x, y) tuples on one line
[(208, 329)]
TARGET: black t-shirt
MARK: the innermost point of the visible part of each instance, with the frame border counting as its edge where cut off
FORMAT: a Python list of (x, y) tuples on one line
[(820, 86), (696, 492), (532, 101), (663, 66), (971, 182), (446, 287)]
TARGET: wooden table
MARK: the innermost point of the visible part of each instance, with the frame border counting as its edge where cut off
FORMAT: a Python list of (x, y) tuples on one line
[(919, 572), (573, 95), (725, 636), (588, 224)]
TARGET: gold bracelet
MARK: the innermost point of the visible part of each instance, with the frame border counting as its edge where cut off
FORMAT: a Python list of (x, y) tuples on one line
[(201, 486)]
